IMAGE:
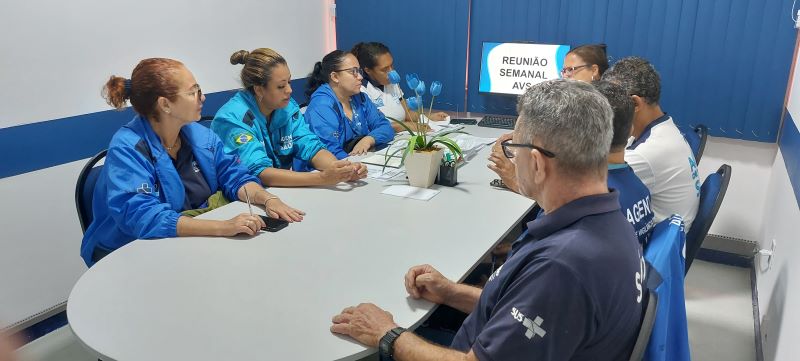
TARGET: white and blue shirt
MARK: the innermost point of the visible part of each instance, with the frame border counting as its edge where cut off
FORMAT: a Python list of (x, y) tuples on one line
[(570, 290), (663, 160)]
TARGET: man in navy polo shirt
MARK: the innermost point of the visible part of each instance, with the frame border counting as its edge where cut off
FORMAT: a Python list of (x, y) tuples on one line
[(572, 287), (634, 197)]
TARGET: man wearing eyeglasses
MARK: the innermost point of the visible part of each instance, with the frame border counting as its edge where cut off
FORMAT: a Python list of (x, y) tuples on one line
[(657, 152), (571, 289)]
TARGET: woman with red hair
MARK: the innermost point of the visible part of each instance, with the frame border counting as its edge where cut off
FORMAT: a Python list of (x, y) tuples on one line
[(162, 167)]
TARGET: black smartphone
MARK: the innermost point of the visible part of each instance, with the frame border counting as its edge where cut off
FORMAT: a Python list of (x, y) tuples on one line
[(273, 224), (467, 121)]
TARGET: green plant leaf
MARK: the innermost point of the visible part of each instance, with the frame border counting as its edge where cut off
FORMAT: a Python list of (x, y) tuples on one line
[(450, 144), (403, 125)]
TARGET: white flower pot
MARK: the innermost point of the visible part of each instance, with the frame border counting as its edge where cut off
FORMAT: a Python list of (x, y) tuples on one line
[(422, 167)]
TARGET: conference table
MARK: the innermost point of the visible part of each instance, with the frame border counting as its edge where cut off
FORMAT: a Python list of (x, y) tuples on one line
[(272, 296)]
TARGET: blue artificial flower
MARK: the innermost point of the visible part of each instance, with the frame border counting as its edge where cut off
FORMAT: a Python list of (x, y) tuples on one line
[(412, 80), (436, 88), (420, 89), (394, 77), (414, 102)]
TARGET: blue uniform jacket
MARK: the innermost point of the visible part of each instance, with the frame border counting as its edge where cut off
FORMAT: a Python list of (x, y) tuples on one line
[(243, 129), (139, 193), (326, 117)]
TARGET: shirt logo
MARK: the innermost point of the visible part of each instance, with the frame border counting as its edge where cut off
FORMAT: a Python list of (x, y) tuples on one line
[(287, 142), (335, 134), (195, 167), (379, 102), (144, 189), (243, 138), (532, 328), (495, 274)]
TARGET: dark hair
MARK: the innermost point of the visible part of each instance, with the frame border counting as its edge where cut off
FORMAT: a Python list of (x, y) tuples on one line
[(593, 54), (638, 77), (323, 69), (258, 66), (368, 53), (152, 78), (622, 105)]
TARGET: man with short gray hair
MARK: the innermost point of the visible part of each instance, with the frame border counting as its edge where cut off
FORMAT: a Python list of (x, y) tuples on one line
[(658, 152), (572, 286)]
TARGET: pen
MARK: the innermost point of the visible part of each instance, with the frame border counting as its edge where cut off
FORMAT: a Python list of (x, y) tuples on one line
[(247, 197)]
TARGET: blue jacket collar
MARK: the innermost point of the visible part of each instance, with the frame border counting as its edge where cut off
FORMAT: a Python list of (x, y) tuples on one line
[(646, 132), (280, 117)]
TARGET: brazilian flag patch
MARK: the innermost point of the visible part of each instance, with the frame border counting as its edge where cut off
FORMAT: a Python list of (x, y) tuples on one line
[(243, 138)]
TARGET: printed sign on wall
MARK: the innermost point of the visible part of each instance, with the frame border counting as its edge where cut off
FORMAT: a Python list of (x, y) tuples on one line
[(511, 68)]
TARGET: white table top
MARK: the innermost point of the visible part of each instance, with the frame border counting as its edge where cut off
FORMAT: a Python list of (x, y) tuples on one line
[(272, 296)]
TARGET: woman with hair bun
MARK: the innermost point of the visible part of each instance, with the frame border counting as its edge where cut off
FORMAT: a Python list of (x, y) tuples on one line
[(377, 62), (339, 113), (264, 126), (162, 168)]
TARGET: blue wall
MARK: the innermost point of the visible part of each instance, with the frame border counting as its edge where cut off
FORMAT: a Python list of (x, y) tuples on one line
[(723, 63), (789, 143), (425, 37), (30, 147)]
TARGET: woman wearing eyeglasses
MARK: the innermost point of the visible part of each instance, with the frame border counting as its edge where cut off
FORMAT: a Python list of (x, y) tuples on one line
[(162, 168), (264, 126), (343, 117), (377, 62), (585, 63)]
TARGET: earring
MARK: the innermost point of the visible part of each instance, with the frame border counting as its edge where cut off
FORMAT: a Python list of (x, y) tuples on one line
[(592, 77), (166, 111)]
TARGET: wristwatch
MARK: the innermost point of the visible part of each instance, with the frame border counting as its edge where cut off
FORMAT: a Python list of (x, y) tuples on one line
[(386, 345)]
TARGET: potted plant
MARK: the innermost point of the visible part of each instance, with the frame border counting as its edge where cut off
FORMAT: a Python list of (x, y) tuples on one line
[(422, 154)]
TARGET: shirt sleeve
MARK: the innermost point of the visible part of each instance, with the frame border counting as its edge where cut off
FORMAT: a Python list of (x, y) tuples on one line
[(544, 314), (231, 174), (379, 127), (243, 141), (324, 122), (306, 143), (641, 166), (133, 196)]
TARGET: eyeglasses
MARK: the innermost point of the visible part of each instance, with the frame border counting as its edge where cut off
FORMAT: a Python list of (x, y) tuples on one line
[(197, 94), (568, 71), (354, 71), (510, 154)]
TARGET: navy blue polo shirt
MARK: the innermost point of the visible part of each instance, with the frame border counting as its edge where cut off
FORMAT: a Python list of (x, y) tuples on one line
[(571, 290), (634, 198), (194, 184)]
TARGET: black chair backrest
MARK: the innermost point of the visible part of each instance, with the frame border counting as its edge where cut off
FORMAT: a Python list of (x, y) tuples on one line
[(648, 320), (84, 189), (205, 120), (702, 133), (712, 192)]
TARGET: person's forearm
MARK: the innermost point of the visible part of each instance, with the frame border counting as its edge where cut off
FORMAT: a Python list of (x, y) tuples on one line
[(323, 160), (410, 347), (464, 297), (188, 226), (275, 177)]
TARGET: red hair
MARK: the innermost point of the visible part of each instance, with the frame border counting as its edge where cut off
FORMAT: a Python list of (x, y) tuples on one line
[(152, 78)]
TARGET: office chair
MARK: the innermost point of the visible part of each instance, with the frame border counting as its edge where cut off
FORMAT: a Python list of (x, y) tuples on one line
[(694, 139), (648, 319), (702, 134), (712, 192), (205, 120), (665, 313), (84, 189)]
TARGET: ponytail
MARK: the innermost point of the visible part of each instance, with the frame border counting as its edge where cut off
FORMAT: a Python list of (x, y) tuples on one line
[(323, 69)]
